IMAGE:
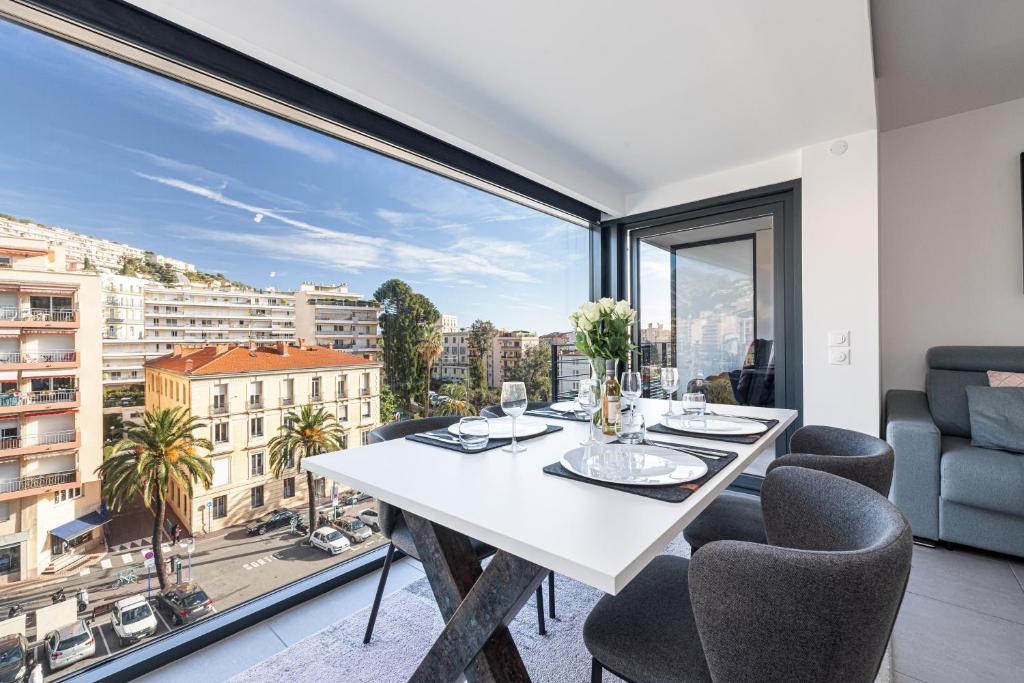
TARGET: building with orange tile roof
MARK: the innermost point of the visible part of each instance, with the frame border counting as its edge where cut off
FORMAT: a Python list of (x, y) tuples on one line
[(242, 394)]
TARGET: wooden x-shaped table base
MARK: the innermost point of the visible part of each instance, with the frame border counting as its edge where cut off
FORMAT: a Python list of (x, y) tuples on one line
[(477, 605)]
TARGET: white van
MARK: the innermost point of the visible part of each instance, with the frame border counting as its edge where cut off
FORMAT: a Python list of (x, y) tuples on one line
[(132, 619)]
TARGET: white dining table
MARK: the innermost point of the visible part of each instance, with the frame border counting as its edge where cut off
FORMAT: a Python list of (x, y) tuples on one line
[(537, 522)]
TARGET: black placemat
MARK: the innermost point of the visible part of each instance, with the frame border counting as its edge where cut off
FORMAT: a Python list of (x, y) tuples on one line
[(744, 439), (675, 493), (491, 443)]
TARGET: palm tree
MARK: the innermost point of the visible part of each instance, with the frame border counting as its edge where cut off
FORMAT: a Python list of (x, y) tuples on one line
[(429, 349), (458, 400), (148, 460), (309, 432)]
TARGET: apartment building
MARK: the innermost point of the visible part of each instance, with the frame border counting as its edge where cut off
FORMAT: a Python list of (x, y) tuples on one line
[(330, 315), (448, 323), (124, 329), (50, 415), (453, 366), (507, 349), (243, 393), (100, 254)]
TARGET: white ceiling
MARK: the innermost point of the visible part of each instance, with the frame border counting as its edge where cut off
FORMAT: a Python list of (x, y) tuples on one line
[(596, 98), (936, 58)]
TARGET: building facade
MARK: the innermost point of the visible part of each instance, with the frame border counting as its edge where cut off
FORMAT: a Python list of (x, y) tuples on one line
[(50, 410), (124, 329), (453, 366), (448, 323), (507, 349), (242, 394), (330, 315)]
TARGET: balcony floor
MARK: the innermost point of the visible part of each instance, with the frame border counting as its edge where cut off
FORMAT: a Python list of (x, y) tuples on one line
[(962, 619)]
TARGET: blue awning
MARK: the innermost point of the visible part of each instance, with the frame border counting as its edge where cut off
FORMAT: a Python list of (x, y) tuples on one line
[(77, 527)]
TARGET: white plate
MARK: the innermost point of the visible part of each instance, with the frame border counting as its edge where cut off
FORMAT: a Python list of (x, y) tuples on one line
[(563, 406), (501, 427), (639, 465), (715, 424)]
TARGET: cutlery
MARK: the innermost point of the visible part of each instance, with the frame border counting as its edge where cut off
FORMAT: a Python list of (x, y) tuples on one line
[(439, 437), (684, 449)]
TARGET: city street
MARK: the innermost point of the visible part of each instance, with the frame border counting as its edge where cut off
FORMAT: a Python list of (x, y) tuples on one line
[(231, 567)]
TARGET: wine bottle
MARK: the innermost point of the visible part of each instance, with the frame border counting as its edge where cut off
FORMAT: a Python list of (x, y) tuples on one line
[(611, 399)]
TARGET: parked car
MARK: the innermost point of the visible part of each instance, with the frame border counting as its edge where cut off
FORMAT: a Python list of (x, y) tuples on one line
[(133, 619), (269, 522), (356, 498), (69, 644), (370, 518), (329, 540), (185, 603), (354, 530), (14, 659)]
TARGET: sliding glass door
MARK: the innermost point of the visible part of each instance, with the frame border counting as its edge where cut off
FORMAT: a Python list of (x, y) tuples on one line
[(717, 292)]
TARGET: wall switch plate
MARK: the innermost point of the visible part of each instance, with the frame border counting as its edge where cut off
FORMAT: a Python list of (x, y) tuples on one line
[(839, 356), (839, 338)]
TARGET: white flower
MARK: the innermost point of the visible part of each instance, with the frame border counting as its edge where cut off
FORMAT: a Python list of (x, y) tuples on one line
[(622, 309), (590, 312), (606, 305)]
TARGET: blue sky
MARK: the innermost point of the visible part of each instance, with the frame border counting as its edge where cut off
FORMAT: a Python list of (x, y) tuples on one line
[(96, 146)]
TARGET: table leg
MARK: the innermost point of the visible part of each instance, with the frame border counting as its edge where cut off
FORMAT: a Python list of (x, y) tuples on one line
[(477, 605)]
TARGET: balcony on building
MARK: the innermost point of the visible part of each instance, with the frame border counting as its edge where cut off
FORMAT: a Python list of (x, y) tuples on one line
[(57, 359), (39, 484), (15, 403), (38, 444)]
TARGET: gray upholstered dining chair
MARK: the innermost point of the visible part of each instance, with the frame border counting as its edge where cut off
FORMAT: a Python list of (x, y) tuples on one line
[(853, 455), (817, 603), (393, 526), (496, 411)]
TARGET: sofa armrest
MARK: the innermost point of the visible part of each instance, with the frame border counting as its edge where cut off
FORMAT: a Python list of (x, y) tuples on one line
[(917, 444)]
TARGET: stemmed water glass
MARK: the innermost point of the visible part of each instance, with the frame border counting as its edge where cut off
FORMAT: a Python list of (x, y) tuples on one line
[(631, 387), (587, 398), (669, 382), (513, 402)]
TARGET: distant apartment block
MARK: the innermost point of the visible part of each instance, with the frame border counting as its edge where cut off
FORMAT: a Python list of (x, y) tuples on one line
[(448, 323), (507, 349), (453, 366), (457, 358), (103, 255), (50, 410), (330, 315), (243, 393)]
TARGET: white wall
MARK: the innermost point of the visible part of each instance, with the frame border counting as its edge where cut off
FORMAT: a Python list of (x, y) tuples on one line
[(840, 266), (950, 237)]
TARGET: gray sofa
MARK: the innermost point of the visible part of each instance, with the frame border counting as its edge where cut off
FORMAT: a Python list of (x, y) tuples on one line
[(948, 489)]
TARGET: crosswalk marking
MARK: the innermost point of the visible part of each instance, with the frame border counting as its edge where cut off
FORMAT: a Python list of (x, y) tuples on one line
[(126, 558), (85, 572), (106, 563)]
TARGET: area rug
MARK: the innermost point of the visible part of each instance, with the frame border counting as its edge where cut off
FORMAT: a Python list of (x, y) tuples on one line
[(408, 623)]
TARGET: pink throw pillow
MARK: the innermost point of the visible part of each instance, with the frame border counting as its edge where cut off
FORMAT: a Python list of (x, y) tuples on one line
[(997, 378)]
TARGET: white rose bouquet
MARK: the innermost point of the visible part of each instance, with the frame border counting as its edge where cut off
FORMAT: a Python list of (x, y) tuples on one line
[(602, 329)]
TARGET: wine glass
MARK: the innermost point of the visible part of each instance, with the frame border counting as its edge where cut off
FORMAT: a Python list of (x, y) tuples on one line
[(513, 402), (587, 400), (631, 387), (669, 382)]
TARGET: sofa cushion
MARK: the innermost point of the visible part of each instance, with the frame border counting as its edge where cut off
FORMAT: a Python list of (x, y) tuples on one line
[(947, 399), (997, 378), (997, 417), (982, 477)]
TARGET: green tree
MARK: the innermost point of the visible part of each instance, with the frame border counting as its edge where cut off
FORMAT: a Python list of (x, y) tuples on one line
[(113, 428), (388, 404), (430, 348), (311, 431), (404, 320), (148, 460), (458, 403), (481, 336), (534, 370)]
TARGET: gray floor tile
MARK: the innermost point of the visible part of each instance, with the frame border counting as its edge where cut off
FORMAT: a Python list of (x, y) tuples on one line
[(223, 659), (938, 643), (316, 615), (992, 589)]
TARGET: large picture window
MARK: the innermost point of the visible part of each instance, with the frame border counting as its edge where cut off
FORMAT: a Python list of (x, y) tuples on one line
[(229, 226)]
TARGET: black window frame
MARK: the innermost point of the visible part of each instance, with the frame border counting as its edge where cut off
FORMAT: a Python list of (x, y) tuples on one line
[(136, 27)]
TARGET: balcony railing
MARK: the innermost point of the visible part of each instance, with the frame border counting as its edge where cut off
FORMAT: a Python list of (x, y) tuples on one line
[(219, 410), (11, 357), (287, 400), (38, 481), (255, 402), (8, 443), (314, 398), (28, 398), (65, 315)]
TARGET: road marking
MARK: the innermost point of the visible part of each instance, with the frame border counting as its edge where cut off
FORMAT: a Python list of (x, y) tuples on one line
[(85, 572), (269, 558), (160, 615), (126, 558), (99, 629), (247, 567), (106, 563), (261, 561)]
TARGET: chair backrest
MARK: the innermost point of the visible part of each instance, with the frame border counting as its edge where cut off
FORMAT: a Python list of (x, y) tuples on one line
[(951, 369), (819, 602), (859, 457), (496, 411), (389, 514)]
